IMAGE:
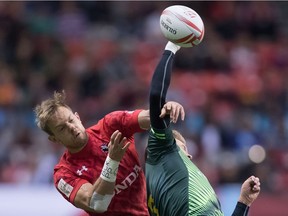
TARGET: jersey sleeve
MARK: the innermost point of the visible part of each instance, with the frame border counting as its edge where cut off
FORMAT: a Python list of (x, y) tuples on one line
[(240, 210), (160, 142), (124, 121), (67, 184)]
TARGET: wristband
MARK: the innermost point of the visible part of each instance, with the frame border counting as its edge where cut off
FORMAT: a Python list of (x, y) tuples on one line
[(109, 170), (241, 209)]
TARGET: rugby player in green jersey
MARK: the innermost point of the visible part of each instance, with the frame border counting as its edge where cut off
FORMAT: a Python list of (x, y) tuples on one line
[(175, 186)]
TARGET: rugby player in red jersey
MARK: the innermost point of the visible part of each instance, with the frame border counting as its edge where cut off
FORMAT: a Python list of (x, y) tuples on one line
[(100, 170)]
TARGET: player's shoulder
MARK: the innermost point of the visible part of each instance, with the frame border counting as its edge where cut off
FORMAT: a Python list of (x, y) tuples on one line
[(62, 164), (65, 163), (121, 113), (120, 117), (66, 169)]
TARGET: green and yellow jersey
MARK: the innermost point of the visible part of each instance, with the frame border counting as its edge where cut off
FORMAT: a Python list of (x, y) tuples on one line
[(175, 186)]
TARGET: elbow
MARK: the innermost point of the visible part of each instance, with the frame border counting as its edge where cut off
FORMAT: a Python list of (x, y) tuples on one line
[(99, 203), (100, 207)]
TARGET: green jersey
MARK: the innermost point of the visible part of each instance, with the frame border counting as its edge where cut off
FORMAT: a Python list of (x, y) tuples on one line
[(175, 186)]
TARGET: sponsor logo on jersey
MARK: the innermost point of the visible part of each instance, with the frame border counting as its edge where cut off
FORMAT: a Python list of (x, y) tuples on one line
[(64, 187), (80, 171), (152, 206), (104, 147), (128, 181)]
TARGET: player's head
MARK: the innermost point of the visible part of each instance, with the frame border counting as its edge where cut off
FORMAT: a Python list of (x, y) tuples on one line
[(63, 126), (181, 142)]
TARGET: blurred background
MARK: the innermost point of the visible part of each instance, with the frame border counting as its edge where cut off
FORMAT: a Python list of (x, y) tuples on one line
[(234, 87)]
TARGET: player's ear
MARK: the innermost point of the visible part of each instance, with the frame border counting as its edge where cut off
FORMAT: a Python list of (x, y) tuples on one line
[(77, 115), (52, 138)]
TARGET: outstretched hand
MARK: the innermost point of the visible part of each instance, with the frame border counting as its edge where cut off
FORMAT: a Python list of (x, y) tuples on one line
[(250, 190), (117, 146), (173, 109)]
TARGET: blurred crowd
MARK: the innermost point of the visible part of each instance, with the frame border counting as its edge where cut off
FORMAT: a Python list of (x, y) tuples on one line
[(234, 85)]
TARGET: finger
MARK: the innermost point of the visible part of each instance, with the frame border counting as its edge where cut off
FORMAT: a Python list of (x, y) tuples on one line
[(123, 141), (175, 114), (254, 179), (163, 113), (255, 183), (182, 113), (126, 146), (167, 106), (113, 136), (171, 113), (251, 179), (118, 138), (256, 188)]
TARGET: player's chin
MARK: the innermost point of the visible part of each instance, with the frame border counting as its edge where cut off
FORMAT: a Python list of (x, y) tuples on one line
[(80, 137)]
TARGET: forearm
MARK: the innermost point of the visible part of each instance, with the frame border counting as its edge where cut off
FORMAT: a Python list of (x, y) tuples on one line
[(241, 209), (103, 187), (87, 191), (158, 90), (98, 196), (144, 119)]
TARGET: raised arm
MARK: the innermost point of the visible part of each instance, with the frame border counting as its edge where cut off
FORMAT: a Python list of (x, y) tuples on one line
[(158, 90), (249, 192), (97, 197)]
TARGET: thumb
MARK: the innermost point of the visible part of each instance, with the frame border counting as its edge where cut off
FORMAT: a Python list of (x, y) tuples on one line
[(163, 113)]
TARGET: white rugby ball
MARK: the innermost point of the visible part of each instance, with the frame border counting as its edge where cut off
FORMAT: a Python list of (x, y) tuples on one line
[(182, 26)]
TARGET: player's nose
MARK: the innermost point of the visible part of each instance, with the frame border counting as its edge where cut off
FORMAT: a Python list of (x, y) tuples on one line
[(70, 126)]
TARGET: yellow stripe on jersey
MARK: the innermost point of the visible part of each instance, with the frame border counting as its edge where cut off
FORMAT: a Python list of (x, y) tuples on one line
[(202, 197), (158, 135)]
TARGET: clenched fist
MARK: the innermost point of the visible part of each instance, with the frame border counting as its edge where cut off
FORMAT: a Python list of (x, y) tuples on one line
[(250, 190)]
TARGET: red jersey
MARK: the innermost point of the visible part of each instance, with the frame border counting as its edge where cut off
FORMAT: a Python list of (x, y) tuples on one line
[(73, 170)]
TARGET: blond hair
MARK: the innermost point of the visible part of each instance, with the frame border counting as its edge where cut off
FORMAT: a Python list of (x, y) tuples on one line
[(47, 108)]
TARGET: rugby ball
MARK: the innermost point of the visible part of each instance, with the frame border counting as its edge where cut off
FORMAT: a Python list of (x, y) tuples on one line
[(182, 26)]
